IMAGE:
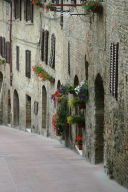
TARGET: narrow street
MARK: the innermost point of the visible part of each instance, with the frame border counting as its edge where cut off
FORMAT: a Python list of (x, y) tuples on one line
[(33, 163)]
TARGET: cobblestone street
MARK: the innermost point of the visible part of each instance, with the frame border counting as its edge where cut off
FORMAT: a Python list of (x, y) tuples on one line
[(32, 163)]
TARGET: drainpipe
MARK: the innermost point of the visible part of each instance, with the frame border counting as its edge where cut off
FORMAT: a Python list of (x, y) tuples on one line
[(10, 38)]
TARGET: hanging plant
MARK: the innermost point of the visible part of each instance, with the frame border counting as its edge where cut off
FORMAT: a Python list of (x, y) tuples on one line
[(2, 60), (82, 90), (40, 72), (75, 119), (76, 101), (93, 6)]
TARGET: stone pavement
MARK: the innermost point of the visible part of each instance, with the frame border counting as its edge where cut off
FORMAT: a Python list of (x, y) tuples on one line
[(32, 163)]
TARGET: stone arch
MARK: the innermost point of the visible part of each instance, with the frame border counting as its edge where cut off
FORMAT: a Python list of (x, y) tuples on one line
[(1, 80), (44, 107), (16, 108), (99, 116)]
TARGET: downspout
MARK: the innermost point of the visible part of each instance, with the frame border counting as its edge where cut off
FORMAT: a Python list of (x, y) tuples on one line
[(10, 38)]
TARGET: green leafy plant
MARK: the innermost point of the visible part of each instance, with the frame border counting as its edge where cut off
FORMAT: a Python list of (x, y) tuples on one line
[(72, 102), (93, 6), (61, 119), (2, 61), (65, 89), (75, 119)]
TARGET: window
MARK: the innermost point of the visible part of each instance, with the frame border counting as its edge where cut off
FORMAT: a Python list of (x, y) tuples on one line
[(28, 63), (17, 9), (114, 69), (86, 68), (1, 46), (3, 53), (17, 58), (44, 46), (28, 10), (7, 52), (52, 54)]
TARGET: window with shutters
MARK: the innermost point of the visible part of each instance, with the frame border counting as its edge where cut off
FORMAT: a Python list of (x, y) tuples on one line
[(69, 70), (17, 9), (28, 10), (3, 53), (7, 52), (52, 53), (114, 48), (44, 46), (28, 63), (86, 68), (0, 45), (17, 58)]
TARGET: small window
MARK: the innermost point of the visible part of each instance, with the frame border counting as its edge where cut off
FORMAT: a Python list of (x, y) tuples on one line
[(17, 58), (28, 63), (28, 10), (17, 9)]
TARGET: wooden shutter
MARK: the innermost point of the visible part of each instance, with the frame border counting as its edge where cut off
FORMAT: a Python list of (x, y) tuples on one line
[(3, 48), (52, 53), (17, 58), (0, 45), (25, 10), (42, 46), (28, 63), (7, 52), (46, 47)]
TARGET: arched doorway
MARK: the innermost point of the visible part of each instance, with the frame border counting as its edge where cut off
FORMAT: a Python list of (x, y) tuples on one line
[(58, 84), (16, 108), (1, 99), (28, 112), (99, 116), (44, 107), (1, 80), (9, 107)]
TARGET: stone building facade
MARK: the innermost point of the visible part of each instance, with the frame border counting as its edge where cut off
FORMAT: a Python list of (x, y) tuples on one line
[(90, 47)]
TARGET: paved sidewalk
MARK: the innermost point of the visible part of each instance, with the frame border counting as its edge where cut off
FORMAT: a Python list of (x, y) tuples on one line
[(32, 163)]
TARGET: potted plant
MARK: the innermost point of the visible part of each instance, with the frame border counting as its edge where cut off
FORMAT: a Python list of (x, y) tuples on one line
[(40, 72), (79, 119), (93, 6), (79, 142), (76, 101), (2, 60), (67, 89), (82, 90)]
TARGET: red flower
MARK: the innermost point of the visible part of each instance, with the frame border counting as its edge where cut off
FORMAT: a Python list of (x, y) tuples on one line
[(78, 138)]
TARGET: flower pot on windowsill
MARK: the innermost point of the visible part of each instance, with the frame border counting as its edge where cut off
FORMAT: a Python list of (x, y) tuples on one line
[(80, 146), (97, 9)]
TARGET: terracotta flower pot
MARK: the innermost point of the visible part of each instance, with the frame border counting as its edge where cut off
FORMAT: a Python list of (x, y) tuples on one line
[(80, 146)]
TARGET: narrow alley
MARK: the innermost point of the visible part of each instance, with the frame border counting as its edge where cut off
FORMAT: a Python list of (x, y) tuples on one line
[(33, 163)]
